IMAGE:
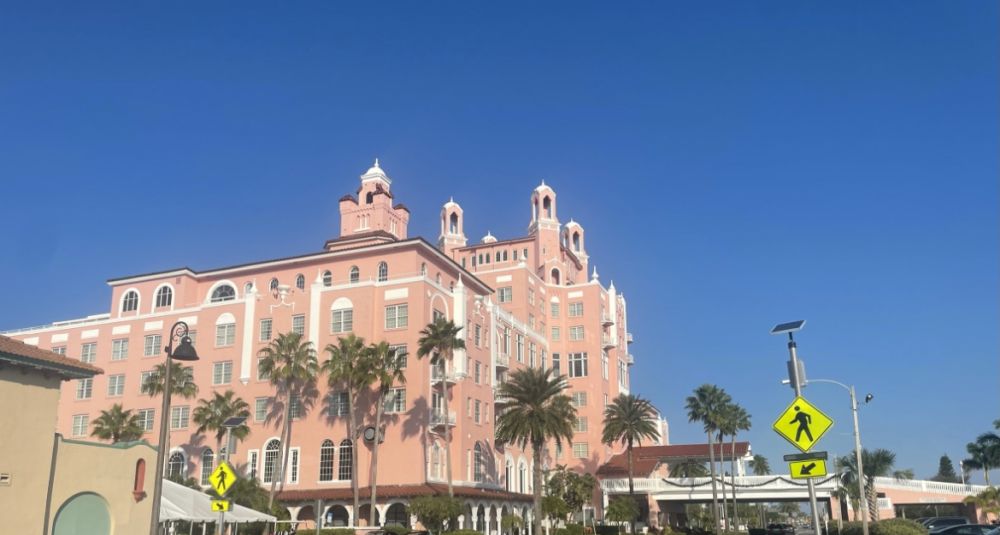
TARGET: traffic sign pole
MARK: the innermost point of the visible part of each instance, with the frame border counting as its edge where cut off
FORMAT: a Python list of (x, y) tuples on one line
[(222, 514), (798, 393)]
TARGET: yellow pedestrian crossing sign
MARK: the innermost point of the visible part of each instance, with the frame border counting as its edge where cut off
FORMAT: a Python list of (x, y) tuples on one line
[(802, 424), (222, 478), (220, 506), (808, 468)]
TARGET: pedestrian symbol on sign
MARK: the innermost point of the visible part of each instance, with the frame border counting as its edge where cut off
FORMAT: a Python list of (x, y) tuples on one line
[(802, 424), (803, 419)]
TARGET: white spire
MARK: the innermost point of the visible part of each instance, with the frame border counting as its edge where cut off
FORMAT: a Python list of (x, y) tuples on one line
[(593, 277), (376, 163)]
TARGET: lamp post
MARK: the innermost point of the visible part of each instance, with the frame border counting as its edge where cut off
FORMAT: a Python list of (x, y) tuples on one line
[(184, 351)]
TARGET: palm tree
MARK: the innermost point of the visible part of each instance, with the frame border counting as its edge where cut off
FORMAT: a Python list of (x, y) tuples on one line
[(181, 379), (739, 420), (348, 368), (760, 467), (706, 406), (981, 457), (211, 414), (289, 362), (628, 420), (117, 425), (688, 468), (878, 463), (385, 365), (439, 340), (726, 426), (539, 411)]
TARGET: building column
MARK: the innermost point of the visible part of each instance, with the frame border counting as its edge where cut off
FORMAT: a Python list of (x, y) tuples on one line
[(246, 349)]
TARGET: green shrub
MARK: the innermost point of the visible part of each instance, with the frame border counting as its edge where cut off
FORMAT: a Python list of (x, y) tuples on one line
[(897, 526), (397, 529), (333, 531), (603, 529)]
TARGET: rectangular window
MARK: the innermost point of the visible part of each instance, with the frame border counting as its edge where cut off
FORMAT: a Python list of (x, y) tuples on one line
[(146, 418), (151, 345), (61, 350), (498, 256), (261, 376), (604, 364), (531, 321), (299, 324), (88, 353), (260, 406), (555, 310), (296, 403), (577, 364), (580, 426), (144, 378), (395, 401), (397, 316), (515, 254), (556, 372), (119, 349), (252, 464), (478, 371), (579, 399), (293, 468), (531, 297), (116, 385), (580, 450), (531, 354), (520, 348), (576, 333), (524, 254), (477, 408), (478, 335), (85, 388), (555, 334), (505, 294), (179, 417), (222, 372), (80, 425), (575, 309), (401, 353), (342, 321), (225, 334), (265, 329), (339, 403)]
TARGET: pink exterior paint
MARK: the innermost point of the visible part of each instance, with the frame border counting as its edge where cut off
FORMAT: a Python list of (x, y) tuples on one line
[(425, 279)]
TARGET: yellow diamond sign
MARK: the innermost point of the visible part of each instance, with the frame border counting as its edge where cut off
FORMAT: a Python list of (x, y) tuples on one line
[(220, 506), (807, 469), (222, 478), (802, 424)]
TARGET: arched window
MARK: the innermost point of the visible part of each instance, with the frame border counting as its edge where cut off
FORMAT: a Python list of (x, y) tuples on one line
[(247, 287), (300, 281), (383, 272), (271, 452), (139, 483), (346, 454), (423, 269), (164, 297), (274, 284), (130, 302), (436, 461), (326, 461), (369, 197), (453, 223), (547, 207), (176, 465), (508, 473), (327, 279), (224, 292), (576, 241), (555, 276), (207, 462), (522, 478), (479, 464), (438, 279), (396, 515), (355, 274)]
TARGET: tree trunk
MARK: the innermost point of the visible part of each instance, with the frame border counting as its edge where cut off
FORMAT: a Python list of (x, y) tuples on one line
[(872, 499), (536, 478), (715, 490), (286, 443), (722, 477), (986, 474), (352, 436), (274, 481), (732, 480), (373, 476), (631, 484)]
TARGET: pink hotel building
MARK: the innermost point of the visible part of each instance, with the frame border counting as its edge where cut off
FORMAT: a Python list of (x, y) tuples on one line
[(524, 301)]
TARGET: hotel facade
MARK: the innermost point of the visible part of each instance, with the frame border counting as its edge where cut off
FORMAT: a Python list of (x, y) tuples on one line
[(532, 301)]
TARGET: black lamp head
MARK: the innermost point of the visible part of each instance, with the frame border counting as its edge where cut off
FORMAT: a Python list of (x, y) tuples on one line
[(184, 350), (868, 398)]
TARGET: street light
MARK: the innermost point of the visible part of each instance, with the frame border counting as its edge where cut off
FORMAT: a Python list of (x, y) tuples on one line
[(857, 442), (184, 351)]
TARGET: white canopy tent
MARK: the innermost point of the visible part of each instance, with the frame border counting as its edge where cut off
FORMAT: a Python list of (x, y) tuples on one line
[(182, 503)]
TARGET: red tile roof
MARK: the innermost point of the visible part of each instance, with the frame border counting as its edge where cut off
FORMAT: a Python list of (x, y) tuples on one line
[(401, 491), (20, 353), (645, 459)]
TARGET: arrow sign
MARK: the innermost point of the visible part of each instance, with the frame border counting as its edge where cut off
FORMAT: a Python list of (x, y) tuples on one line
[(807, 468), (220, 506)]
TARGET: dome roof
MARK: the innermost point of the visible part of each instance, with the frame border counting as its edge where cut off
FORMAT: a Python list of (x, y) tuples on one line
[(489, 238), (376, 172)]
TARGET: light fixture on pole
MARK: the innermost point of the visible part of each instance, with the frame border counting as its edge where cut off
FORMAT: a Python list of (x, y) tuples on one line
[(796, 376), (184, 351)]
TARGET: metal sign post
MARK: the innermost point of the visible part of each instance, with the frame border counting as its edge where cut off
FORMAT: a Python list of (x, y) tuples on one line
[(224, 468)]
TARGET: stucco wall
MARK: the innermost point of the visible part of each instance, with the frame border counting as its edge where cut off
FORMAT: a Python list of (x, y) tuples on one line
[(28, 422)]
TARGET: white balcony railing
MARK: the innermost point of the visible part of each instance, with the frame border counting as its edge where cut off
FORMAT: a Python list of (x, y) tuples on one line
[(503, 361), (629, 359), (439, 418), (606, 341), (439, 374), (498, 398), (607, 320)]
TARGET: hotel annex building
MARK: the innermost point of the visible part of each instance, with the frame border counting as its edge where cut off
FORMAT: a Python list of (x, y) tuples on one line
[(527, 301)]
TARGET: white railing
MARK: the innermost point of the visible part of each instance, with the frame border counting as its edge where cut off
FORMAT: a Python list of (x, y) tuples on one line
[(503, 360), (439, 418), (629, 359), (499, 398), (628, 337), (606, 319), (606, 341), (924, 485), (438, 375), (781, 482)]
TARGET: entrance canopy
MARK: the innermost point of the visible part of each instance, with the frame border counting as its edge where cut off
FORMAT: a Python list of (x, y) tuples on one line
[(182, 503), (646, 459)]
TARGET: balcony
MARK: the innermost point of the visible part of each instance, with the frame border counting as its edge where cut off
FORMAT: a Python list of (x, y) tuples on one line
[(439, 374), (607, 342), (439, 419), (607, 320), (629, 359), (503, 361), (498, 398), (628, 337)]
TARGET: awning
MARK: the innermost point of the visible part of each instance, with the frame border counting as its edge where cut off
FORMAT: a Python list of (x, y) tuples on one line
[(182, 503)]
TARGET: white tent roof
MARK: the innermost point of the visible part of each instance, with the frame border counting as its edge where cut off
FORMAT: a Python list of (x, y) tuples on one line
[(181, 503)]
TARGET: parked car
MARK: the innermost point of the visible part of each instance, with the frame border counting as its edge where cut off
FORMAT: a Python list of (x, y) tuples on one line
[(965, 529), (938, 522), (780, 529)]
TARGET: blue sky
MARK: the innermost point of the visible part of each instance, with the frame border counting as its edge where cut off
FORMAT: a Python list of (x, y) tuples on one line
[(735, 165)]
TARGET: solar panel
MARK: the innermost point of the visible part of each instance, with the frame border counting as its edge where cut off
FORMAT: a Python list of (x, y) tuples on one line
[(789, 327)]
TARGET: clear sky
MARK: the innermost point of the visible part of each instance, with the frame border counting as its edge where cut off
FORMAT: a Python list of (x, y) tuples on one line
[(735, 165)]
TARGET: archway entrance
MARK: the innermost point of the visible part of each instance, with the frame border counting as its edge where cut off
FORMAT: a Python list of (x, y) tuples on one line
[(83, 514)]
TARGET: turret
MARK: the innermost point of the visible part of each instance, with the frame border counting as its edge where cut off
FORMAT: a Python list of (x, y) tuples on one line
[(452, 228), (372, 210)]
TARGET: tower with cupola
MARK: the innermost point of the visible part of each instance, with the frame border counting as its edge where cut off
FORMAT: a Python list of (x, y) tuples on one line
[(545, 226), (372, 211), (452, 227)]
